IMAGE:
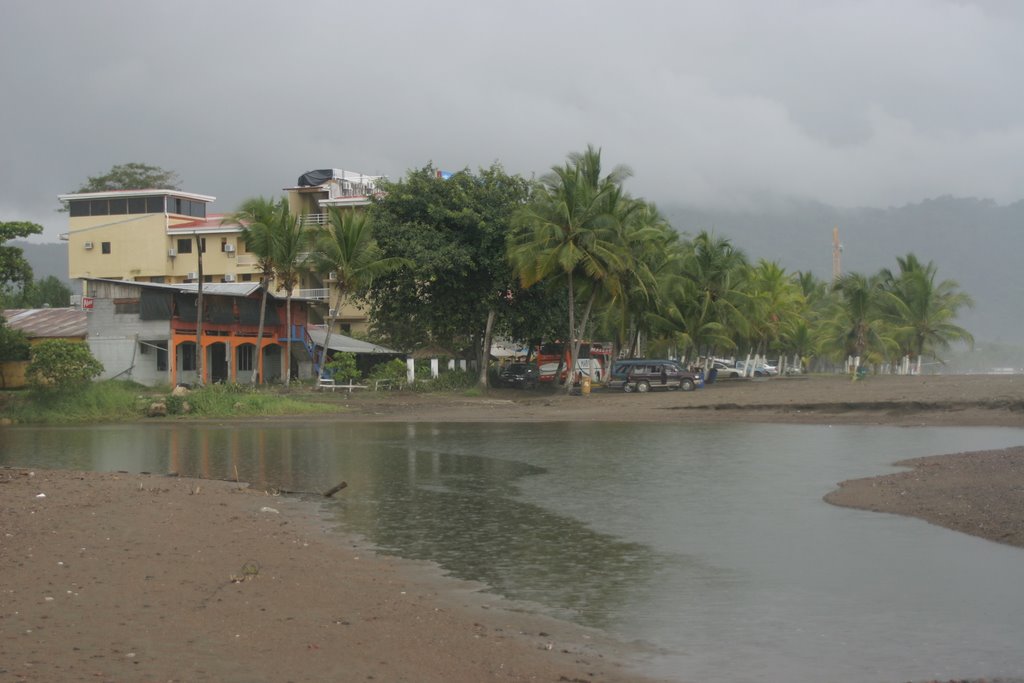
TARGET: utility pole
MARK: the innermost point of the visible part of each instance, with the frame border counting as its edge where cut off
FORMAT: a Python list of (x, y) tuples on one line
[(200, 355), (837, 250)]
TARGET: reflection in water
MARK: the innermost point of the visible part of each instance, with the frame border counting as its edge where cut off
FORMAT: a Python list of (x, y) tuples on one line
[(710, 542)]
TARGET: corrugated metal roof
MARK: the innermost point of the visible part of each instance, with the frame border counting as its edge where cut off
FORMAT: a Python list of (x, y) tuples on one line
[(340, 342), (47, 322)]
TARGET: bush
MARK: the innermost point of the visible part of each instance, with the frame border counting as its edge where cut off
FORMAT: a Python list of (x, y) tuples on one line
[(343, 368), (453, 380), (394, 370), (13, 344), (63, 365)]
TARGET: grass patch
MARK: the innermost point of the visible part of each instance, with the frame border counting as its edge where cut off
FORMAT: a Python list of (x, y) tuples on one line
[(97, 402), (120, 401)]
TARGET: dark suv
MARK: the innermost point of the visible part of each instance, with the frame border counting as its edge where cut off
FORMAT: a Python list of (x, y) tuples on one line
[(519, 376), (644, 375)]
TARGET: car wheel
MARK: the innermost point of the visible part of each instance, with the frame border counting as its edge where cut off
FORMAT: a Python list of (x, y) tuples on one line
[(734, 374), (643, 387), (687, 385), (628, 388)]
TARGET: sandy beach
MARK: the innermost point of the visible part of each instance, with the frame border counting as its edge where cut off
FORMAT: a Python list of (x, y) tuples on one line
[(132, 577)]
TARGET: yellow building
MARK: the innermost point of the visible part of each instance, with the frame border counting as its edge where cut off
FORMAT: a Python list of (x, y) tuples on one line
[(153, 236), (157, 236)]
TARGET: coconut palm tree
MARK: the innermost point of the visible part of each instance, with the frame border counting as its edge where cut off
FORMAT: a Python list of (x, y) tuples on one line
[(856, 325), (289, 245), (257, 216), (922, 309), (569, 230), (345, 252)]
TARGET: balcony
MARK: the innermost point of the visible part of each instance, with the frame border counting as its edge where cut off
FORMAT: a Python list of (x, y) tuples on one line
[(317, 294)]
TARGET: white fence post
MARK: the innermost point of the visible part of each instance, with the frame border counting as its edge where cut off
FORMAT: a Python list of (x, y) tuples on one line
[(433, 368), (410, 370)]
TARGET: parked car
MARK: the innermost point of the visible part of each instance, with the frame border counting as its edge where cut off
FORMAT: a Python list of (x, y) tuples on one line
[(643, 375), (760, 369), (519, 376)]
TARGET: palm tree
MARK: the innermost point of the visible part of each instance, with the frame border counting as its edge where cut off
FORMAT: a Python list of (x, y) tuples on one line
[(257, 216), (567, 230), (714, 270), (922, 309), (345, 248), (288, 245), (857, 326)]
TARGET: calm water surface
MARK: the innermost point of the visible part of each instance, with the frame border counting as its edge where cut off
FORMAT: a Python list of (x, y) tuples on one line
[(709, 543)]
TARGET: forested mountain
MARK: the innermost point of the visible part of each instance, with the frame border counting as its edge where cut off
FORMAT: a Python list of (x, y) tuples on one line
[(46, 259), (976, 242)]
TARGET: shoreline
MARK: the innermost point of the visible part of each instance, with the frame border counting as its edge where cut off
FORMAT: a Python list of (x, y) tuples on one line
[(115, 576)]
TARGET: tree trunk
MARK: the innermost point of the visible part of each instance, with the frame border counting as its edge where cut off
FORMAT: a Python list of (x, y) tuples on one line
[(572, 333), (200, 355), (485, 356), (288, 340), (330, 328), (578, 338), (257, 366)]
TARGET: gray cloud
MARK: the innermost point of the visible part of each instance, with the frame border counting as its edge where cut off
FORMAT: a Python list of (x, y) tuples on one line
[(871, 102)]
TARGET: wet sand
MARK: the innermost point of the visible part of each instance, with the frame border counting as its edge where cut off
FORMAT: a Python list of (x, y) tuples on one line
[(129, 577)]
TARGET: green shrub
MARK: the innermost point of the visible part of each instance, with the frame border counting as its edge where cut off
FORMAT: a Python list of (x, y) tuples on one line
[(62, 365), (343, 368), (394, 370), (13, 344), (453, 380)]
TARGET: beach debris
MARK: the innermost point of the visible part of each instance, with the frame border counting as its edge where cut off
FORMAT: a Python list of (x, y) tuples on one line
[(269, 509), (249, 571), (331, 491), (40, 495), (157, 409)]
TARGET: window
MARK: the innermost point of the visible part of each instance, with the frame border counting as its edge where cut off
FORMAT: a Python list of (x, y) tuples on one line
[(134, 205), (158, 279), (246, 277), (161, 356), (207, 278), (105, 247), (188, 357), (185, 245), (246, 357), (223, 244)]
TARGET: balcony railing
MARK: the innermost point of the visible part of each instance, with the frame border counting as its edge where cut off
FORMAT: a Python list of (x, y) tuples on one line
[(318, 294), (313, 219)]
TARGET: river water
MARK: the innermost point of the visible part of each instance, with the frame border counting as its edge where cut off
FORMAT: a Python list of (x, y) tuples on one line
[(708, 544)]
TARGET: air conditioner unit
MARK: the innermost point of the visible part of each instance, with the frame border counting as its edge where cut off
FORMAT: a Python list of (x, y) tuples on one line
[(172, 252), (229, 248), (229, 278), (87, 245), (192, 276), (332, 276), (332, 313)]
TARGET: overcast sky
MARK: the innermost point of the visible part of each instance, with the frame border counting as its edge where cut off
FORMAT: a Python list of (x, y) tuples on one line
[(848, 102)]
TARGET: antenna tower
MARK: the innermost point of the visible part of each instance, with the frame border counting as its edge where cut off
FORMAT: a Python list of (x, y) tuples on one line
[(837, 251)]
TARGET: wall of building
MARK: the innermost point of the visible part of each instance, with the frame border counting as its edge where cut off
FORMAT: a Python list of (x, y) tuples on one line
[(114, 341)]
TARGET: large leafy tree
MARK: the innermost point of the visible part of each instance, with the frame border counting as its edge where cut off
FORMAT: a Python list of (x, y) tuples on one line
[(258, 216), (14, 269), (131, 176), (569, 231), (460, 288), (345, 252)]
